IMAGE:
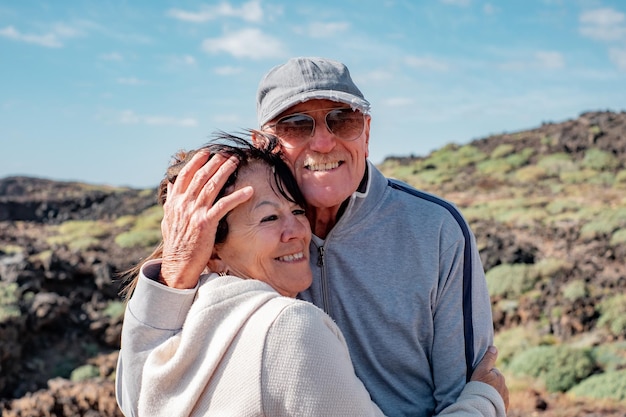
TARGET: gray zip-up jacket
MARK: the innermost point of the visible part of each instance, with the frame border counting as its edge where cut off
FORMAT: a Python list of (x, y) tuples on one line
[(401, 276)]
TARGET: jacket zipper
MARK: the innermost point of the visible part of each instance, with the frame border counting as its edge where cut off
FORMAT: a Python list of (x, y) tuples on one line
[(324, 282)]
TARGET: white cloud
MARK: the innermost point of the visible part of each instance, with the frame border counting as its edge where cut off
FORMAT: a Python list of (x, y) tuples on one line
[(64, 31), (129, 117), (52, 39), (181, 60), (427, 63), (549, 60), (489, 9), (188, 59), (602, 17), (398, 102), (250, 12), (113, 56), (326, 30), (540, 60), (228, 70), (113, 32), (462, 3), (49, 40), (247, 43), (131, 81), (227, 119), (603, 24), (373, 76), (618, 57)]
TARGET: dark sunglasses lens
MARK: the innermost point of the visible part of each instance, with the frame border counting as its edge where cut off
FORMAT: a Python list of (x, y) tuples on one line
[(295, 127), (347, 124)]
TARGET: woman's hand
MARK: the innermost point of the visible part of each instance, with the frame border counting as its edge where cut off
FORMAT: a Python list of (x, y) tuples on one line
[(486, 372), (190, 218)]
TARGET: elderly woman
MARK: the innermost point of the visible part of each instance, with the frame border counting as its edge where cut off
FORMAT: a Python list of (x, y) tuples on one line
[(235, 341)]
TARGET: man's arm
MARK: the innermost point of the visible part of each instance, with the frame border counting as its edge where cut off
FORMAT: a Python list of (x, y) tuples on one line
[(462, 318), (485, 395)]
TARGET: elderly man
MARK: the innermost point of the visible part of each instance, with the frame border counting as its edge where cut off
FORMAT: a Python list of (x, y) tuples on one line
[(396, 268)]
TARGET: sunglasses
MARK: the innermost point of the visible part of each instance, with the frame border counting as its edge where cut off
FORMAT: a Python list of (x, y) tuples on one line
[(296, 129)]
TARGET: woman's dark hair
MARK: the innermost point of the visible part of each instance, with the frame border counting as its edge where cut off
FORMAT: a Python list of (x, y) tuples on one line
[(266, 150)]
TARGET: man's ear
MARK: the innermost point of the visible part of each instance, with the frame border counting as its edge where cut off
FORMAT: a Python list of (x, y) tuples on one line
[(368, 120), (257, 138), (216, 264), (265, 141)]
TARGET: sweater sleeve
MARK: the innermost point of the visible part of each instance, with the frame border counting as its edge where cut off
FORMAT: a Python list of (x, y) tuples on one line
[(462, 321), (476, 400), (307, 370), (154, 314)]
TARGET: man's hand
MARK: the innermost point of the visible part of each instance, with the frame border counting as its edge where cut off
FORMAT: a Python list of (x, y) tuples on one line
[(486, 372)]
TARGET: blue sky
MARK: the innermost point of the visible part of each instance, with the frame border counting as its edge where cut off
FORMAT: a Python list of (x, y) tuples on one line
[(105, 92)]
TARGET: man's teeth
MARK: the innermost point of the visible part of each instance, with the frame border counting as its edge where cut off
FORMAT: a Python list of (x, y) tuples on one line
[(292, 257), (323, 167)]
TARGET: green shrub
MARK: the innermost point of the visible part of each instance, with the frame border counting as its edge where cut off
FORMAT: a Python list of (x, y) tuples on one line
[(520, 158), (9, 302), (582, 176), (436, 176), (147, 192), (595, 129), (514, 340), (84, 372), (549, 140), (11, 249), (600, 160), (402, 172), (494, 167), (613, 314), (502, 150), (530, 174), (610, 385), (548, 267), (82, 227), (442, 158), (79, 234), (604, 222), (115, 309), (521, 216), (441, 165), (510, 280), (83, 243), (150, 218), (559, 367), (610, 356), (146, 230), (596, 228), (557, 163), (469, 155), (575, 290), (620, 178), (561, 206), (619, 237), (138, 238), (125, 221)]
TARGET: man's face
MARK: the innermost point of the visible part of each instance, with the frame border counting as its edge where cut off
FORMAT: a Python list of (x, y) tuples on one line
[(328, 169)]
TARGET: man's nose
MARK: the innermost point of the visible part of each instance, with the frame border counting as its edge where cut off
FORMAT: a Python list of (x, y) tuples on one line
[(323, 139)]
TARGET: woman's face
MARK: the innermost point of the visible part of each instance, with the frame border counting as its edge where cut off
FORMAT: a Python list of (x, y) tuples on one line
[(268, 236)]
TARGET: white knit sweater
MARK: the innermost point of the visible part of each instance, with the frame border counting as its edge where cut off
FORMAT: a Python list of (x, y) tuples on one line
[(245, 351)]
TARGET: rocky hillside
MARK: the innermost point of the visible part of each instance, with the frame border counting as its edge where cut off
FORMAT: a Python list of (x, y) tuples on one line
[(547, 205)]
